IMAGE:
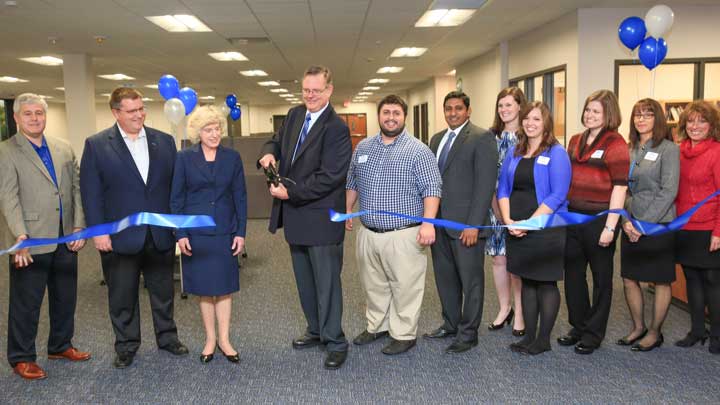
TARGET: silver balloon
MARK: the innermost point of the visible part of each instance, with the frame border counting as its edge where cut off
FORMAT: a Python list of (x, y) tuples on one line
[(658, 20), (174, 110), (224, 110)]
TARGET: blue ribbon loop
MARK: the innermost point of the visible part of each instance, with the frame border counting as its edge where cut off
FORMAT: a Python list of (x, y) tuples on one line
[(553, 220), (111, 228)]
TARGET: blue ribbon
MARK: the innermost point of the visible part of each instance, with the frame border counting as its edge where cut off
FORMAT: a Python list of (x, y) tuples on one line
[(111, 228), (553, 220)]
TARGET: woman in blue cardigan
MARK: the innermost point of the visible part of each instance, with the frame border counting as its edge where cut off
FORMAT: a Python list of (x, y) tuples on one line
[(209, 180), (534, 180)]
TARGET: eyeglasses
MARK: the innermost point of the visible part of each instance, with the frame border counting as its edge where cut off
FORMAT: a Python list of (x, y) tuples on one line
[(647, 116), (314, 92), (140, 110)]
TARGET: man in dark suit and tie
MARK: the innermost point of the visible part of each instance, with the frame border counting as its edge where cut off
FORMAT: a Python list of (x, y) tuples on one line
[(125, 169), (467, 158), (313, 148)]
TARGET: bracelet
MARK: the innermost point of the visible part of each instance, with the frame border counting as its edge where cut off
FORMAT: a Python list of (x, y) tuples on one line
[(610, 229)]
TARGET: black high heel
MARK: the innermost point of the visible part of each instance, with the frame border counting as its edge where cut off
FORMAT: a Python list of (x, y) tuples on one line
[(206, 358), (508, 319), (690, 340), (233, 358), (715, 344), (629, 342), (637, 347)]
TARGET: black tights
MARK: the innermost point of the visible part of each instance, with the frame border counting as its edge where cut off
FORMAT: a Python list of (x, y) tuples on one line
[(703, 288), (540, 299)]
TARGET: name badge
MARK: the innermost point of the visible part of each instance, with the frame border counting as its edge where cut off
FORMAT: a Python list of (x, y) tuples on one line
[(597, 154), (543, 160), (362, 158), (651, 156)]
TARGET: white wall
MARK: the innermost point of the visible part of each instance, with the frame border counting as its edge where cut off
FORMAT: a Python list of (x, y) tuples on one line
[(482, 81)]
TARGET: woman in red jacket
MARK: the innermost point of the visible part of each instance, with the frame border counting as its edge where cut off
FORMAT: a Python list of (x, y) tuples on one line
[(699, 240)]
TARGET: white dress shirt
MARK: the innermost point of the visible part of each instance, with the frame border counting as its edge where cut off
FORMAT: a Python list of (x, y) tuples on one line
[(139, 151), (447, 135)]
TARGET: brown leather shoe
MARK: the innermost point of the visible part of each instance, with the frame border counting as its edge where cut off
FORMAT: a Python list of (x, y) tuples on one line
[(71, 354), (29, 370)]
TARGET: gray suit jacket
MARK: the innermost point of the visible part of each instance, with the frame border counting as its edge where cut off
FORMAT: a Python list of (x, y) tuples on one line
[(28, 197), (654, 182), (468, 177)]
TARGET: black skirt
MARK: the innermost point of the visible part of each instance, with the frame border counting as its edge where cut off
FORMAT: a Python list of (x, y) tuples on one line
[(539, 255), (650, 259), (692, 250)]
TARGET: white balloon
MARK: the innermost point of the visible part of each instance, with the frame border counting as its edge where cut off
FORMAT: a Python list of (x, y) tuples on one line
[(658, 20), (224, 110), (174, 110)]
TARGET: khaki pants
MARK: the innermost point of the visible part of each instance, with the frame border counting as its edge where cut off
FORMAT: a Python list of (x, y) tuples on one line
[(392, 271)]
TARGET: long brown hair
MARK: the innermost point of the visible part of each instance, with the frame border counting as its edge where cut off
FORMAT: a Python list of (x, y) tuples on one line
[(548, 138), (706, 110), (660, 129), (517, 95)]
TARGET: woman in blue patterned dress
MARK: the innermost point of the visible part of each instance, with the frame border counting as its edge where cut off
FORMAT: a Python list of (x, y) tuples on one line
[(507, 122)]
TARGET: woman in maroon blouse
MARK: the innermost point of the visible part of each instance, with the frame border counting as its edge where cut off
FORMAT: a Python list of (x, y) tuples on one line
[(698, 243), (600, 164)]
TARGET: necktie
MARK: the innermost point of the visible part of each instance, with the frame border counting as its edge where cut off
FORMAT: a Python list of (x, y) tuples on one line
[(303, 134), (445, 150)]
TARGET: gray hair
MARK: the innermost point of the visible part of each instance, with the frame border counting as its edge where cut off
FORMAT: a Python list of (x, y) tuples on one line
[(203, 116), (28, 98)]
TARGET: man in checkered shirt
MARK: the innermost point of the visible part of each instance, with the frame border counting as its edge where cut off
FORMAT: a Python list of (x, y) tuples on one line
[(393, 171)]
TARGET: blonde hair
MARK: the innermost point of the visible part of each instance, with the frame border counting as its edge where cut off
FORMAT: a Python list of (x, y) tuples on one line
[(202, 117)]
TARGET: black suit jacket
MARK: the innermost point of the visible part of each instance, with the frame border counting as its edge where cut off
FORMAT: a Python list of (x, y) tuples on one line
[(320, 171), (112, 187), (469, 177)]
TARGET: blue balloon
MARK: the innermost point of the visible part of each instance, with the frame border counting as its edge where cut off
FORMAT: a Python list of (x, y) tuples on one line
[(168, 87), (235, 113), (652, 52), (231, 100), (632, 32), (188, 97)]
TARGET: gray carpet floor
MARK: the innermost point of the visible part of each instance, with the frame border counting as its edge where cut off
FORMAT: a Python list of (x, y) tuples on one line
[(267, 317)]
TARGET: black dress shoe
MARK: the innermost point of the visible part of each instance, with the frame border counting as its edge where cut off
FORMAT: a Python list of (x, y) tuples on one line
[(232, 358), (537, 347), (123, 360), (714, 345), (506, 321), (690, 340), (440, 333), (518, 332), (568, 340), (366, 337), (584, 348), (335, 360), (305, 342), (398, 346), (459, 347), (637, 347), (176, 348), (519, 347), (629, 342), (206, 358)]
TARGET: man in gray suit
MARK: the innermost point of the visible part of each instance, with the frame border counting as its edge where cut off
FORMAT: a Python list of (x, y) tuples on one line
[(40, 198), (467, 157)]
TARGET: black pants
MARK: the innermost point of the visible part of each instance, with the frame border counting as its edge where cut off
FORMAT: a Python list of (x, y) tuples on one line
[(58, 272), (460, 280), (588, 319), (317, 274), (122, 275)]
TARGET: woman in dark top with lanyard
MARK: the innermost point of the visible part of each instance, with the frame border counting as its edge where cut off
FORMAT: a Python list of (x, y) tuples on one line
[(534, 180), (652, 187), (600, 165)]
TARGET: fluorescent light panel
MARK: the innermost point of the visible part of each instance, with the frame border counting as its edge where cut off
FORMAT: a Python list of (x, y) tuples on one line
[(255, 72), (228, 56), (207, 98), (10, 79), (117, 76), (408, 52), (444, 18), (44, 60), (269, 83), (365, 93), (286, 95), (151, 86), (179, 23), (390, 69), (371, 88), (278, 90), (148, 99), (60, 88), (378, 81)]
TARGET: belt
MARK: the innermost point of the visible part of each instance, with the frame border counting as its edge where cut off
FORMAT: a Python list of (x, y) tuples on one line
[(376, 230)]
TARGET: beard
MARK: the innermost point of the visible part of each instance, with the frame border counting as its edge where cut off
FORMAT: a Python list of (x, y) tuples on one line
[(392, 134)]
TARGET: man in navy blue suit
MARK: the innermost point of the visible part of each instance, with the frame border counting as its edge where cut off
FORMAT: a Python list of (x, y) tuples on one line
[(125, 169), (313, 148)]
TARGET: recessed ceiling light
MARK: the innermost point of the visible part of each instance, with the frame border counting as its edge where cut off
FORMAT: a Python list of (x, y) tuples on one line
[(44, 96), (255, 72), (376, 81), (60, 88), (44, 60), (409, 52), (151, 86), (207, 98), (371, 88), (117, 76), (390, 69), (278, 90), (179, 23), (452, 72), (228, 56), (10, 79), (365, 93), (105, 94), (269, 83), (444, 18)]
